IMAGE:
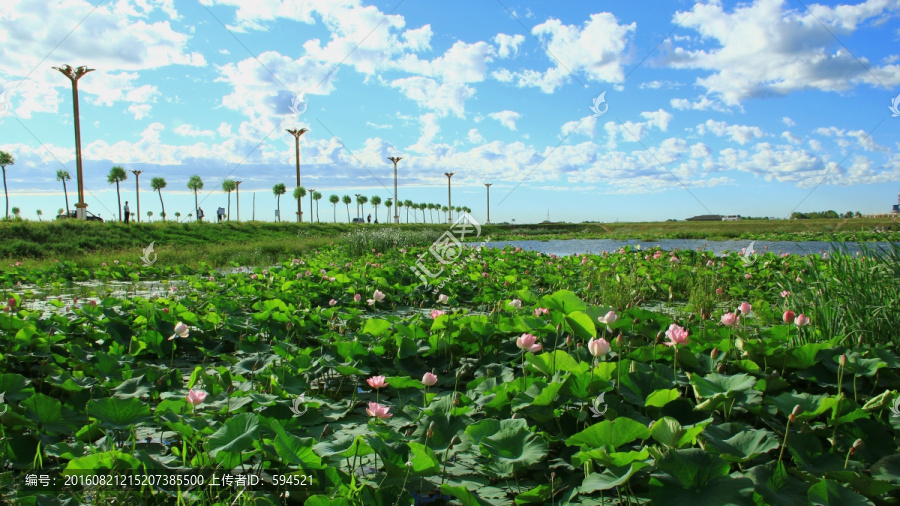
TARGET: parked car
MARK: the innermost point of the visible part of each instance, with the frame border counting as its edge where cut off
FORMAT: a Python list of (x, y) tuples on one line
[(733, 217), (358, 220), (89, 216)]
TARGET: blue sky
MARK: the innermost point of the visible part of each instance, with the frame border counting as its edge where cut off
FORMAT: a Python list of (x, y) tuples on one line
[(756, 108)]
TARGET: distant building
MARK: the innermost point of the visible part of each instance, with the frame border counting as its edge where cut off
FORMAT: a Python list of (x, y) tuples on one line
[(896, 208), (706, 217)]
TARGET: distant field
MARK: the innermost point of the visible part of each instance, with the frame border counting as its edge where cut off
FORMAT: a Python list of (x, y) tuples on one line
[(259, 243)]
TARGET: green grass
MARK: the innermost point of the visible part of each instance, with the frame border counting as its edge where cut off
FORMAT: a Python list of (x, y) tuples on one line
[(259, 243)]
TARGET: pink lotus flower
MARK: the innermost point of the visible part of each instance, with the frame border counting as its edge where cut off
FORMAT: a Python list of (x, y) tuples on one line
[(527, 342), (609, 318), (116, 262), (719, 291), (429, 379), (295, 261), (212, 278), (181, 330), (103, 264), (745, 308), (788, 317), (253, 276), (378, 296), (378, 411), (802, 320), (12, 302), (516, 303), (377, 382), (677, 335), (598, 347), (332, 302), (165, 309), (729, 319), (443, 298), (195, 397), (747, 276), (357, 298), (785, 293), (541, 310)]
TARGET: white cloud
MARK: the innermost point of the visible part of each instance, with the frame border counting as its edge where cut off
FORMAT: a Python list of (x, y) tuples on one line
[(597, 50), (655, 85), (474, 137), (509, 44), (793, 139), (377, 126), (443, 98), (702, 104), (506, 118), (741, 134), (763, 48), (788, 121), (140, 111), (189, 131), (585, 126)]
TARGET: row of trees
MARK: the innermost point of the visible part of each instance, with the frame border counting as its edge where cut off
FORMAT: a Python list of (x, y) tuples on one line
[(118, 174), (825, 214), (361, 201)]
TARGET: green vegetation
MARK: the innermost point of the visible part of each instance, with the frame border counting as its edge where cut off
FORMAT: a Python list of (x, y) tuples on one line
[(263, 243), (640, 376)]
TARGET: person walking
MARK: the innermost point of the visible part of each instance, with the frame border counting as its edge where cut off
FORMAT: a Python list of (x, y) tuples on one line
[(221, 213), (127, 211), (200, 214), (369, 219)]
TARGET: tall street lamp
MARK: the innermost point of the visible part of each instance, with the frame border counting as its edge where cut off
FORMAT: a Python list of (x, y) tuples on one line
[(297, 133), (137, 190), (488, 185), (449, 206), (237, 190), (395, 159), (311, 192), (74, 75)]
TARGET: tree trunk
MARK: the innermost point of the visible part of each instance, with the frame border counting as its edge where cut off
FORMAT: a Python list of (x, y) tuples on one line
[(229, 206), (279, 207), (196, 206), (119, 195), (66, 193), (162, 204), (348, 213), (5, 193)]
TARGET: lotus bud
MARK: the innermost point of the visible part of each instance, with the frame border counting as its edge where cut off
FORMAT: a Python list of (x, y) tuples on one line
[(430, 432), (715, 353), (843, 360), (569, 341), (858, 444), (797, 410), (620, 341), (720, 368)]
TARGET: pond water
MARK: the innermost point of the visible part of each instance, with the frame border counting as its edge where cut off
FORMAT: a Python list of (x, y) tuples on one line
[(597, 246)]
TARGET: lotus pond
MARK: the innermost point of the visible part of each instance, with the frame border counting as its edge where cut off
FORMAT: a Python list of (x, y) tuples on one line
[(639, 376)]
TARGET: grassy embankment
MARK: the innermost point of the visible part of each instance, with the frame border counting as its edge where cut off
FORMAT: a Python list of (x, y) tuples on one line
[(261, 243)]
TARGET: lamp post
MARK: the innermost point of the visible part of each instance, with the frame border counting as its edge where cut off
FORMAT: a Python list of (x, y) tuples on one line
[(137, 190), (74, 75), (311, 193), (449, 206), (488, 186), (357, 203), (395, 159), (237, 190), (297, 133)]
